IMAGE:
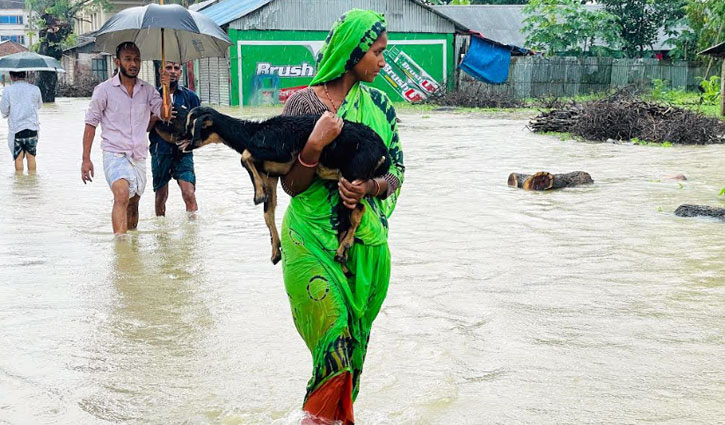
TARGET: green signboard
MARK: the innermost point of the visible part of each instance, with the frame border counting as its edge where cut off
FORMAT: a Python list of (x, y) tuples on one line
[(270, 65)]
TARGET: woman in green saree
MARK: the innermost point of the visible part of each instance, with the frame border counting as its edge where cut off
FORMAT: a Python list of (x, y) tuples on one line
[(332, 311)]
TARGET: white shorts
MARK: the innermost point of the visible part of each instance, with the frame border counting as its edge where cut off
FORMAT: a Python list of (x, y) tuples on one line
[(118, 166)]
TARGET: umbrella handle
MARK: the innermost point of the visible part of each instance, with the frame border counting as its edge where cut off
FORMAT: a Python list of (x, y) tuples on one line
[(164, 88)]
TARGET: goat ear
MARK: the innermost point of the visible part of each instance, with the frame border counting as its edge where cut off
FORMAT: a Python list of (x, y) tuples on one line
[(196, 134), (207, 121), (381, 161)]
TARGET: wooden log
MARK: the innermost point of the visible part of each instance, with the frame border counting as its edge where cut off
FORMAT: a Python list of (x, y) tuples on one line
[(544, 180), (517, 179), (689, 210)]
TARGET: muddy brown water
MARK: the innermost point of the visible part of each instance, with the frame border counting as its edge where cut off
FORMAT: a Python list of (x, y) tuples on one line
[(590, 305)]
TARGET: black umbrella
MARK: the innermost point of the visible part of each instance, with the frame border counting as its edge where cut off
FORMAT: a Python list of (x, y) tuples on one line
[(29, 61), (164, 31), (187, 34)]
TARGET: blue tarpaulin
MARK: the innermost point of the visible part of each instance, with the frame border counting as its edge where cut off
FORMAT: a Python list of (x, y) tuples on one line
[(487, 62)]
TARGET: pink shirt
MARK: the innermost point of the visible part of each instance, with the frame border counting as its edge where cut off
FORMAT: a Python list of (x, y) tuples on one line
[(123, 119)]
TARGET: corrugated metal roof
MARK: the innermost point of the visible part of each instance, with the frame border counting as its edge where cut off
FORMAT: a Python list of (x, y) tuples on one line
[(717, 50), (319, 15), (197, 7), (228, 10), (503, 23)]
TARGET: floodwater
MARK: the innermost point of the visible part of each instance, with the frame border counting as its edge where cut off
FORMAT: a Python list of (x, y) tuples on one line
[(591, 305)]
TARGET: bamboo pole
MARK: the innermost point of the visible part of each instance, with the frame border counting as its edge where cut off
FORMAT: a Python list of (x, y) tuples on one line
[(722, 89), (164, 87)]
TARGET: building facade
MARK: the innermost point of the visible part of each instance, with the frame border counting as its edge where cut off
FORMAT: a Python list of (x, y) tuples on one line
[(275, 44), (83, 62), (14, 23)]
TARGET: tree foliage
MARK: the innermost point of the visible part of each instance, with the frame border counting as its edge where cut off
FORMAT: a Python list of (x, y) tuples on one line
[(704, 24), (641, 21), (567, 27), (54, 22)]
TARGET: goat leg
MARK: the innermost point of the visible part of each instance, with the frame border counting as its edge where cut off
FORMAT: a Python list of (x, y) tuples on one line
[(347, 238), (260, 194), (269, 207)]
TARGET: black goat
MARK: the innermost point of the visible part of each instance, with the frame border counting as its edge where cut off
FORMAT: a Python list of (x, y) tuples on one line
[(174, 131), (269, 148)]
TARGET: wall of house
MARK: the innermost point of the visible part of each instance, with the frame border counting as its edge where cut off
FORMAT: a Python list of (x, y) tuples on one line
[(80, 67), (212, 80)]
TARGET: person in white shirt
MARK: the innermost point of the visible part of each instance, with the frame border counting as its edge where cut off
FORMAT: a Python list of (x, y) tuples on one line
[(20, 103)]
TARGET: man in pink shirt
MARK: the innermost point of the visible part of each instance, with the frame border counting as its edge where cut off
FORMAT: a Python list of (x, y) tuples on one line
[(123, 106)]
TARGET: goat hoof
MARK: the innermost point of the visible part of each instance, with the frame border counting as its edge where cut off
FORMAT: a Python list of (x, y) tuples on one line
[(276, 257), (341, 258), (259, 199)]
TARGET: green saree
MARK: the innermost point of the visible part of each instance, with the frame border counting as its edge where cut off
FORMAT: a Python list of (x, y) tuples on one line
[(334, 312)]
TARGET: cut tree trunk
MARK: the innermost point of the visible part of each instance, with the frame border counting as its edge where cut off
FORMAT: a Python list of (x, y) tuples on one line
[(688, 210), (46, 81), (544, 180)]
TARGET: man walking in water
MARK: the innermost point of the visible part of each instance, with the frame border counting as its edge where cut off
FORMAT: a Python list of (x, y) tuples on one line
[(123, 106), (167, 160), (20, 104)]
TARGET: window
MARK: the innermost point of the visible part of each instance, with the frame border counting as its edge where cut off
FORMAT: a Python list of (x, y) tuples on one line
[(100, 69), (16, 38), (11, 20)]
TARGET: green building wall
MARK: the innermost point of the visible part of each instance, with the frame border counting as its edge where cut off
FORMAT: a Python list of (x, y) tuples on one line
[(273, 61)]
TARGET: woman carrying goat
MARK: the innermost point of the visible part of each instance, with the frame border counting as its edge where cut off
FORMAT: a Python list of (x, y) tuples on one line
[(332, 311)]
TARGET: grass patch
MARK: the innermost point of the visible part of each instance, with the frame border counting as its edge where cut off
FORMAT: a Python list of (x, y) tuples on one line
[(639, 142), (561, 136)]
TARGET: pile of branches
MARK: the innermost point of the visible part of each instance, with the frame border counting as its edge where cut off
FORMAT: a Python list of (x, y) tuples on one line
[(474, 99), (625, 117), (560, 119), (82, 87)]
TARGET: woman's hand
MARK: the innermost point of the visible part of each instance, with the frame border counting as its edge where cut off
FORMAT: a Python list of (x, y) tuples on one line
[(327, 128), (352, 192)]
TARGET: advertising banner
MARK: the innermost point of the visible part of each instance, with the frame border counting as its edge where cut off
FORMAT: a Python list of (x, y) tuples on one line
[(412, 70), (269, 70)]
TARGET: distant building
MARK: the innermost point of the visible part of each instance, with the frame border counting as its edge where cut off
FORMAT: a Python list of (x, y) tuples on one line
[(8, 47), (83, 61), (275, 44), (14, 22)]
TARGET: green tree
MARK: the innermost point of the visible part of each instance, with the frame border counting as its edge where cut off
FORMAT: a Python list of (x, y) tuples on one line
[(640, 21), (567, 27), (705, 26), (709, 19), (53, 24)]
